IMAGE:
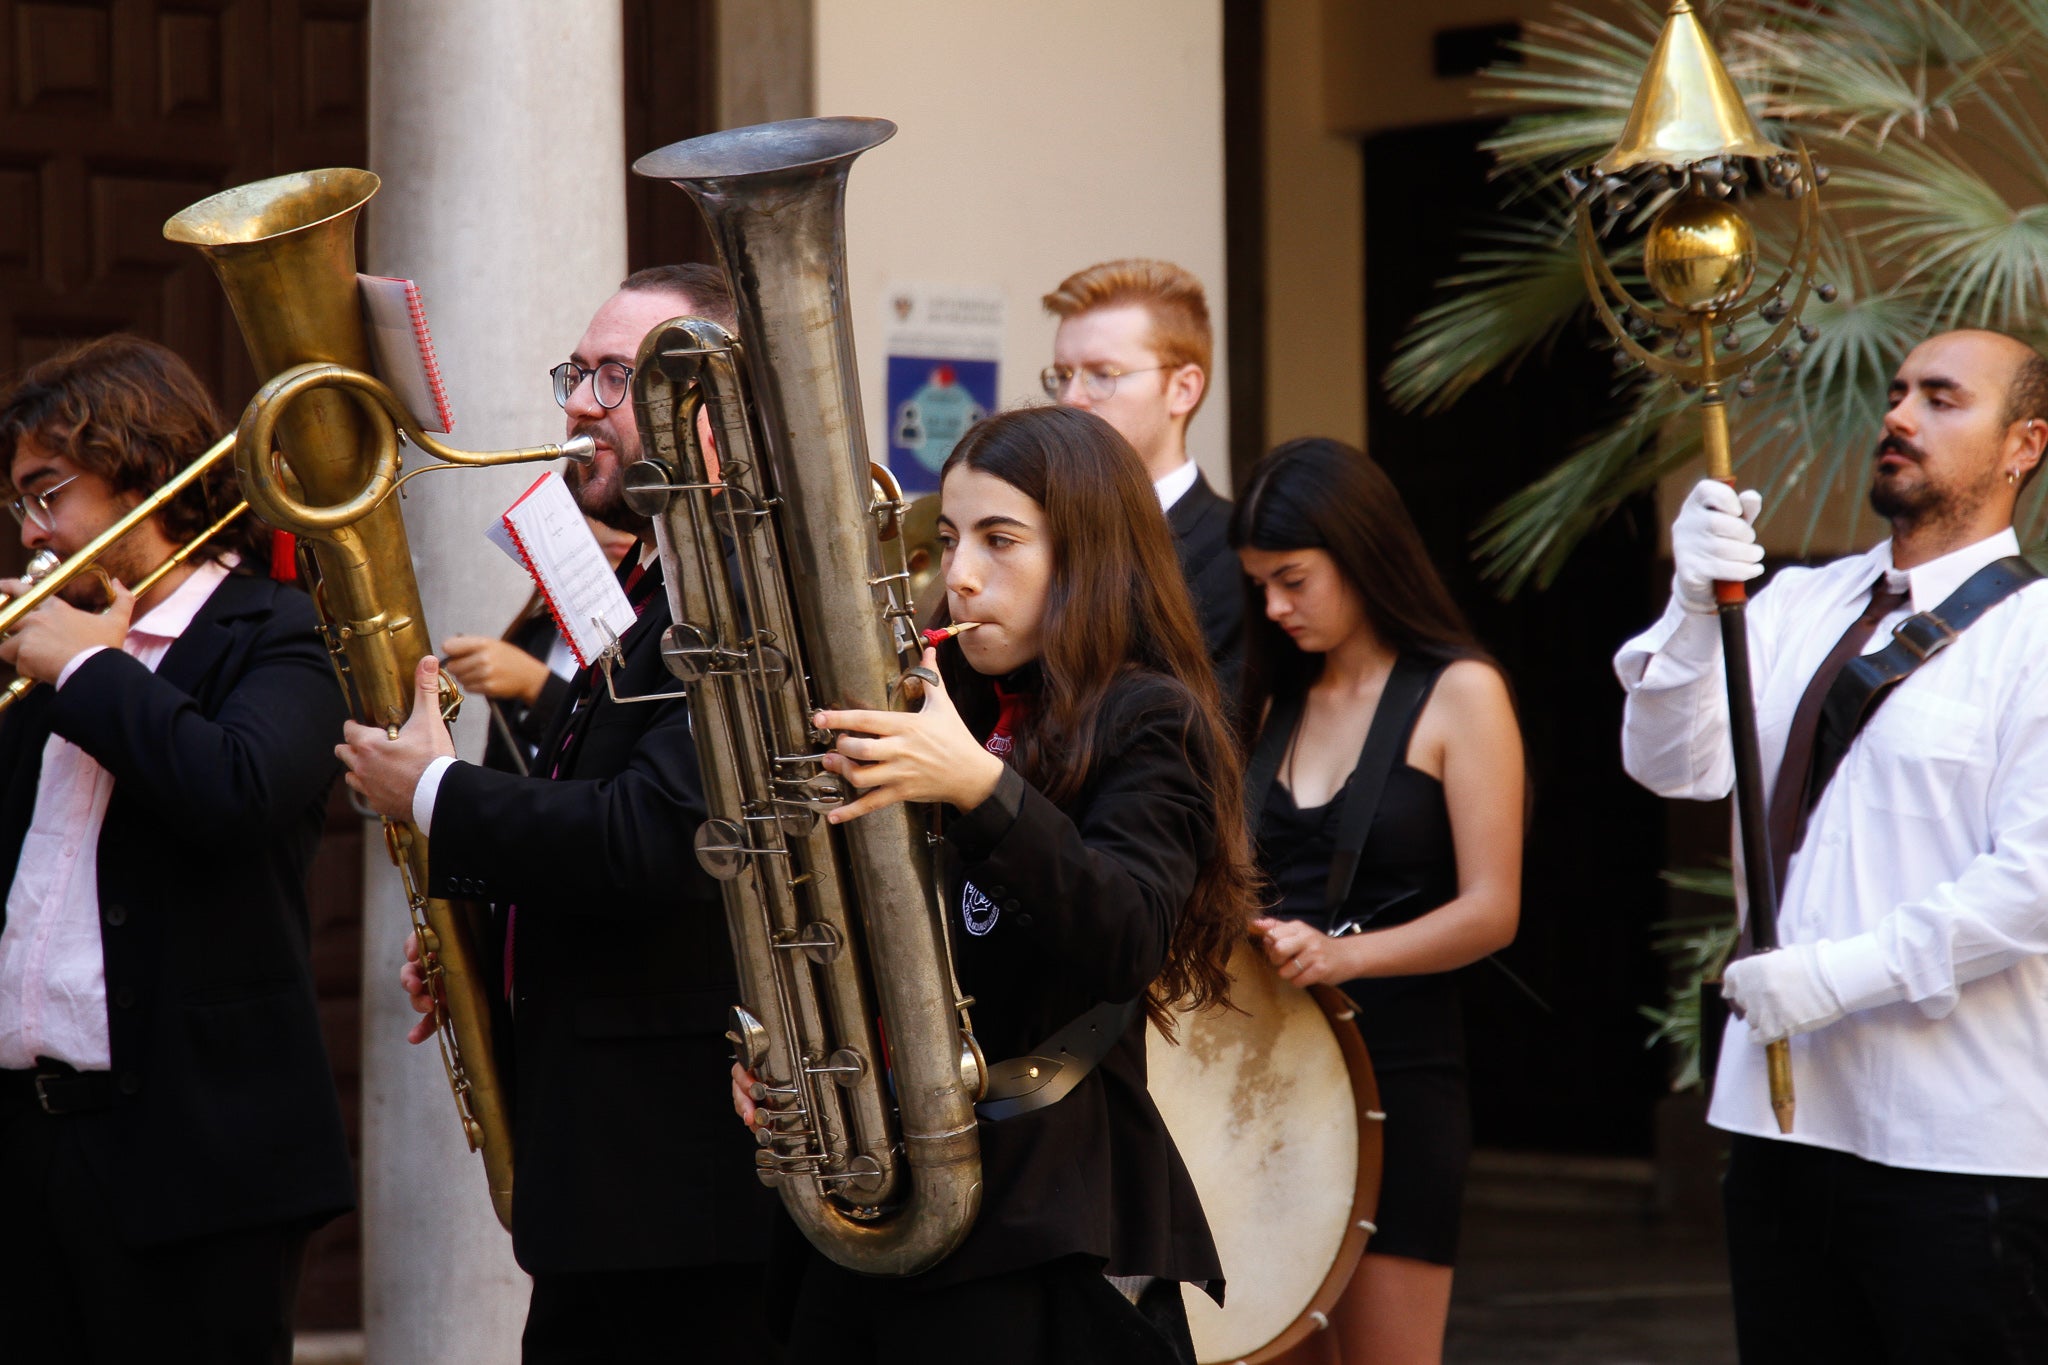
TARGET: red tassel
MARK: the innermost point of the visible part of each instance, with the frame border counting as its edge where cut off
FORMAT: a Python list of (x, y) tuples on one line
[(284, 556)]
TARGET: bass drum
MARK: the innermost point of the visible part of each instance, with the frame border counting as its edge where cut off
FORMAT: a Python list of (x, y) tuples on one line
[(1276, 1113)]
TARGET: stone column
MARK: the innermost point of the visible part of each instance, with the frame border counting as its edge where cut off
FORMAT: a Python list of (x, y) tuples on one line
[(499, 132)]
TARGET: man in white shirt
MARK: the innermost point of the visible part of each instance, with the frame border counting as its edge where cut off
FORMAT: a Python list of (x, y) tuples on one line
[(1906, 1216), (1133, 347), (169, 1130)]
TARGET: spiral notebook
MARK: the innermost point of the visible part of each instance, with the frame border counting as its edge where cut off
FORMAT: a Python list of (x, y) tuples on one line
[(396, 320), (546, 533)]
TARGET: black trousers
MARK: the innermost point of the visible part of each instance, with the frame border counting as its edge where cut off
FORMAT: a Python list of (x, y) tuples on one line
[(72, 1292), (1060, 1313), (709, 1313), (1834, 1258)]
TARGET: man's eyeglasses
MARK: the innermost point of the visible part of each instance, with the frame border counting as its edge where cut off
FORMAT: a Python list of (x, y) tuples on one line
[(1097, 381), (35, 507), (609, 382)]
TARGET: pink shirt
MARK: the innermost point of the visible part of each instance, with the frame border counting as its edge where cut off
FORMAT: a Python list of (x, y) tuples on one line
[(53, 977)]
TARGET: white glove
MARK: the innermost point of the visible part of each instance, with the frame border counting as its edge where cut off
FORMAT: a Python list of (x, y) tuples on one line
[(1781, 993), (1713, 541)]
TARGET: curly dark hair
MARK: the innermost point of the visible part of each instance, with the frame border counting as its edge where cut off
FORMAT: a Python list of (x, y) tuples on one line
[(135, 414)]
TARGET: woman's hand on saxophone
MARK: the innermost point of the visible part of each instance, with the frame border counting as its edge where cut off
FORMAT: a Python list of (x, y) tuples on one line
[(413, 976), (386, 769), (923, 755)]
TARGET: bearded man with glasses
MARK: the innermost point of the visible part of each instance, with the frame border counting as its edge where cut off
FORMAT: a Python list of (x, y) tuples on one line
[(1133, 348), (634, 1204)]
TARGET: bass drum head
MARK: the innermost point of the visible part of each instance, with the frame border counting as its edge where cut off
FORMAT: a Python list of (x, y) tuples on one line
[(1266, 1108)]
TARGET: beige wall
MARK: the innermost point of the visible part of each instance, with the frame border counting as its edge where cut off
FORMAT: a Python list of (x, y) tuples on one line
[(1336, 72), (1379, 65), (1315, 240), (1036, 138)]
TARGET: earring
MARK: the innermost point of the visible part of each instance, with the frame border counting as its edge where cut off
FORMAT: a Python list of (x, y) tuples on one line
[(2012, 476)]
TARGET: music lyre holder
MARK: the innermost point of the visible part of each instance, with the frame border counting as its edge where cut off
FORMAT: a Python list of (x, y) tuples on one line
[(1691, 143)]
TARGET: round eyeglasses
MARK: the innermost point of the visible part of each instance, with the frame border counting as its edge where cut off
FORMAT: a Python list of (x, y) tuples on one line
[(610, 382), (35, 507), (1097, 381)]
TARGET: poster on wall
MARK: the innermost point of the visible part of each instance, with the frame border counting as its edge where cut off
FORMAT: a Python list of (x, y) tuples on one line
[(943, 344)]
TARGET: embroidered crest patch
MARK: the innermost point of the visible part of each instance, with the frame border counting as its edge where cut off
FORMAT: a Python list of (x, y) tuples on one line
[(978, 911)]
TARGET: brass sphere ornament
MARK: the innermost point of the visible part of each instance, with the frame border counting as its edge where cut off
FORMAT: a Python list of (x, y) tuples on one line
[(1700, 254)]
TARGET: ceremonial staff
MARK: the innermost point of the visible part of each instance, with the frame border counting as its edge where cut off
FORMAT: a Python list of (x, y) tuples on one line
[(1691, 141)]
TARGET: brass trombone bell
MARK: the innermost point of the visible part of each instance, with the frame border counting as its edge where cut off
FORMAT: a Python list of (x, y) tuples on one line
[(1700, 255), (39, 564), (1686, 109)]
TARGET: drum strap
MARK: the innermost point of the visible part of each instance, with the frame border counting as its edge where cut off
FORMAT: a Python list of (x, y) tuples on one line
[(1393, 721), (1049, 1072)]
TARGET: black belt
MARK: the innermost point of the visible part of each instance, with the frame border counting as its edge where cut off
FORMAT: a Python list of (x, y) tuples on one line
[(59, 1088)]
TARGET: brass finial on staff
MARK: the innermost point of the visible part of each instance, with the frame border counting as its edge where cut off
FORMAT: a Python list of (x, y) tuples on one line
[(1691, 140)]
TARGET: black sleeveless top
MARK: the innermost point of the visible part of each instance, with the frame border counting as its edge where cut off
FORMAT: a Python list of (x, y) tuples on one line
[(1408, 867)]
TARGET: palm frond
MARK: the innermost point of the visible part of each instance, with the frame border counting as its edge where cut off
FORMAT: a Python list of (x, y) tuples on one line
[(1984, 260), (1508, 298), (1952, 33), (1527, 539), (1845, 87), (1928, 109), (1810, 426), (1578, 78)]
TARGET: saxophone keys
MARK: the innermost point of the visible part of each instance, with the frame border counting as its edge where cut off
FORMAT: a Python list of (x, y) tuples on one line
[(722, 848), (846, 1066), (749, 1037), (818, 941)]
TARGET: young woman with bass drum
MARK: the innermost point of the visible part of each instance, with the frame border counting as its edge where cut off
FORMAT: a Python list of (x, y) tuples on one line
[(1095, 853), (1385, 790)]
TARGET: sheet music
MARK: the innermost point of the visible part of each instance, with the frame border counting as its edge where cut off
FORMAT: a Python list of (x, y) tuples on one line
[(547, 534)]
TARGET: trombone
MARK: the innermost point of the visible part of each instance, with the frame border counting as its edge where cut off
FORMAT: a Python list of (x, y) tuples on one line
[(49, 575)]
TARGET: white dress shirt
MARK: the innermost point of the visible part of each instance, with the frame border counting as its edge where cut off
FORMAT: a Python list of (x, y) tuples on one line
[(428, 789), (53, 974), (1923, 878), (1172, 487)]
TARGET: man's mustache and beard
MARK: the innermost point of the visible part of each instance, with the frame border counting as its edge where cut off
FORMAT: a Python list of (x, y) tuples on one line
[(1897, 492), (599, 487), (1905, 494)]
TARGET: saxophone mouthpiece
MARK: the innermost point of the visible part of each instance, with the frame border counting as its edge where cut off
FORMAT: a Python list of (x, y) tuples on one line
[(935, 638)]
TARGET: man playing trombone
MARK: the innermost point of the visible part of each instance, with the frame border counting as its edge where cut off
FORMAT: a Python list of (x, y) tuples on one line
[(169, 1131)]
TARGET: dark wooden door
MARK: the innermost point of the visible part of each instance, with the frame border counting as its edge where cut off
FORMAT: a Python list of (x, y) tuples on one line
[(114, 115), (1572, 1074), (671, 94)]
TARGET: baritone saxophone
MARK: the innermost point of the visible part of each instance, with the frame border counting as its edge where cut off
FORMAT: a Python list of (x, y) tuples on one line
[(789, 589)]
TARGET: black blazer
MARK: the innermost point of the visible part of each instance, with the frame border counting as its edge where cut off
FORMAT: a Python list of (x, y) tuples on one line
[(225, 1114), (1058, 909), (1201, 534), (626, 1153)]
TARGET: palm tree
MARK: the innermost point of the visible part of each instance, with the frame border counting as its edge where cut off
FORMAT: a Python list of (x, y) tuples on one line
[(1937, 215)]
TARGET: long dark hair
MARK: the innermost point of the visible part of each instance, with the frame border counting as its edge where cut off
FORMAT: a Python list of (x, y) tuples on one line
[(1316, 493), (1118, 610)]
